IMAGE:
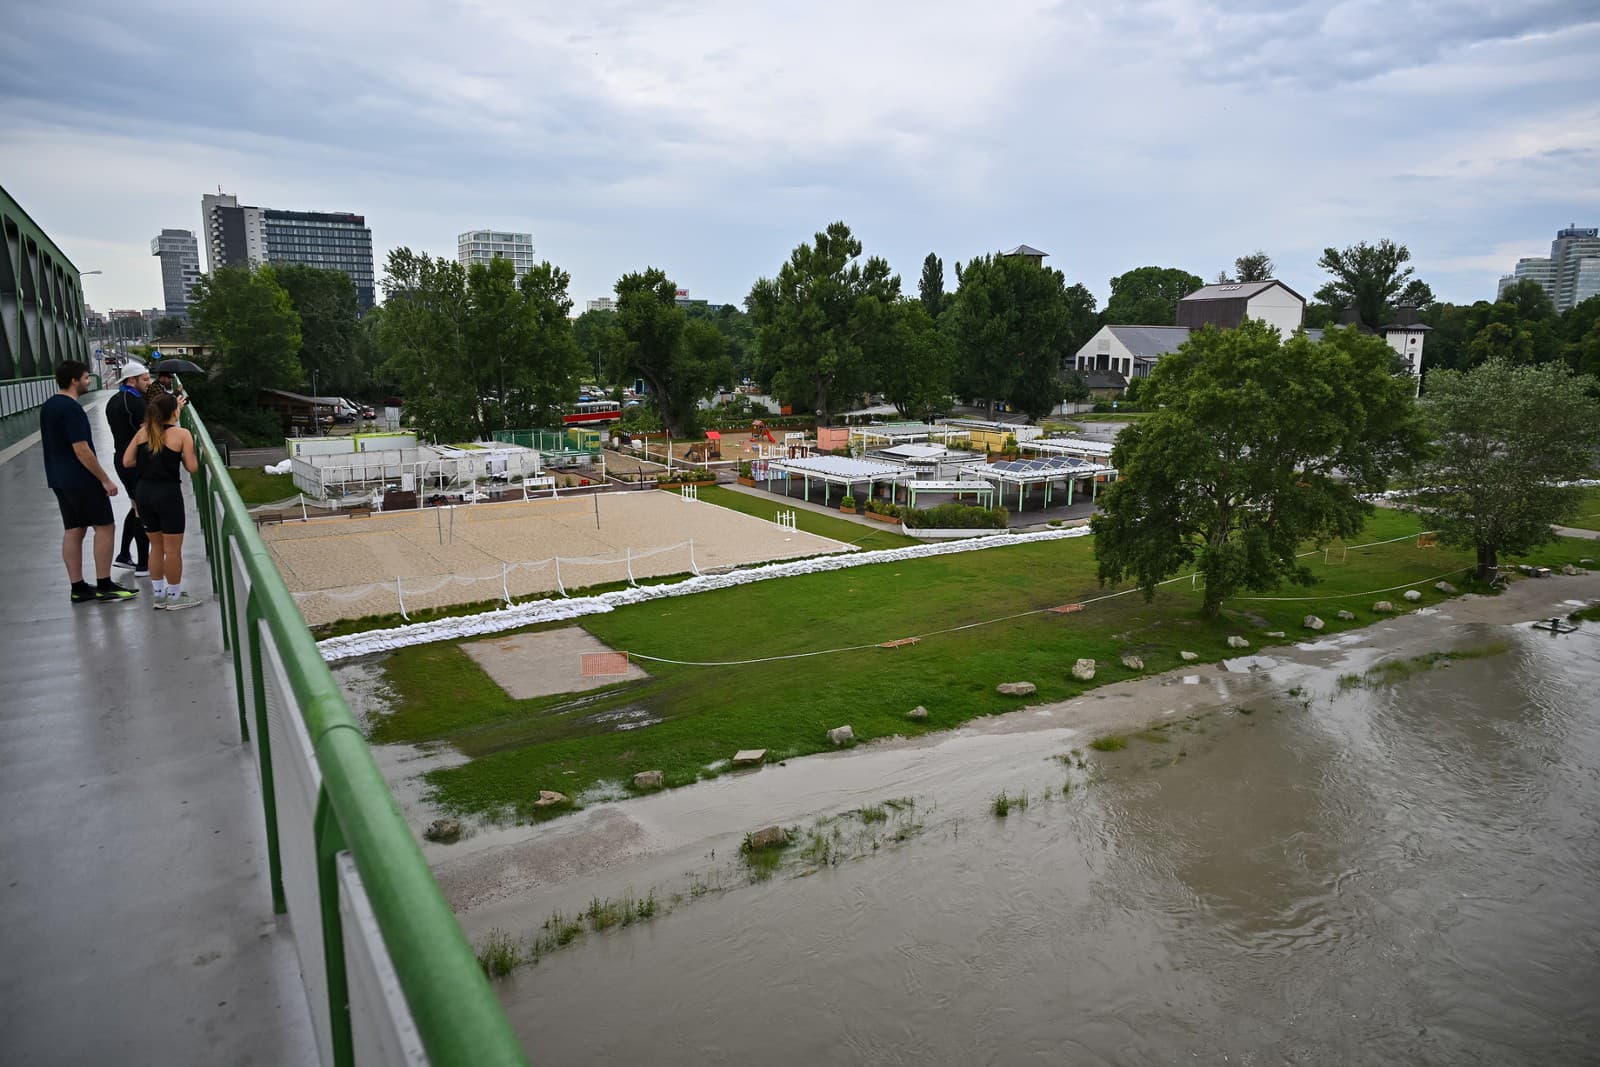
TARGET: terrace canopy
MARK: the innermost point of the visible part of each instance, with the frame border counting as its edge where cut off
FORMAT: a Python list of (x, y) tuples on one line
[(1081, 447), (836, 470), (1025, 474), (903, 433), (982, 492)]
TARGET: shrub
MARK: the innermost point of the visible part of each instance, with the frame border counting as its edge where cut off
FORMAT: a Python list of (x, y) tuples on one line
[(848, 502), (954, 517), (744, 469)]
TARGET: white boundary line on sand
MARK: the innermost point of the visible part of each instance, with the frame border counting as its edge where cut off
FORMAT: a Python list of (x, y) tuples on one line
[(335, 649)]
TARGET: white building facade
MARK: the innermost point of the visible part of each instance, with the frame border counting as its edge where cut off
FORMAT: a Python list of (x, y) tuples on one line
[(483, 246)]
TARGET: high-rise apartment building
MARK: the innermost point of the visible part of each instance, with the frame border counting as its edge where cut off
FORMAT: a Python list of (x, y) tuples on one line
[(331, 240), (239, 236), (1570, 275), (179, 253), (481, 246)]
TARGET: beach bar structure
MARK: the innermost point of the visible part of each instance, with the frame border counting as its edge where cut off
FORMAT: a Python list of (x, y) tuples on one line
[(992, 435), (889, 434), (831, 471), (1077, 447), (929, 460), (442, 468), (1051, 473), (975, 492)]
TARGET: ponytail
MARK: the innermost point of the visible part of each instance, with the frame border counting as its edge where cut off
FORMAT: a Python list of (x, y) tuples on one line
[(157, 414)]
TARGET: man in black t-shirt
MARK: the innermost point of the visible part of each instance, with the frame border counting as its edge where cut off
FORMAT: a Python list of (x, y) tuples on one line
[(125, 414), (82, 487)]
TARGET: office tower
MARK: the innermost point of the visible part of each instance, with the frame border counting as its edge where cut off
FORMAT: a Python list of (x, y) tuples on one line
[(1571, 273), (480, 246), (239, 235), (179, 253)]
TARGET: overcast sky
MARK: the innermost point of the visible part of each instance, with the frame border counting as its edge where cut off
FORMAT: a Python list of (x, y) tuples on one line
[(709, 138)]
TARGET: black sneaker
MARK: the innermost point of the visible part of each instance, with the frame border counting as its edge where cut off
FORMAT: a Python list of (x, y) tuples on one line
[(122, 563), (83, 594), (107, 593)]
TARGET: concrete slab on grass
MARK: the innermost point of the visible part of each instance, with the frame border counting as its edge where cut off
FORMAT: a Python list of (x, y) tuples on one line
[(545, 663)]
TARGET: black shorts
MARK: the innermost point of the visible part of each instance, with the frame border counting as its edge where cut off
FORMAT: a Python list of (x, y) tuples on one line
[(161, 507), (84, 507), (129, 477)]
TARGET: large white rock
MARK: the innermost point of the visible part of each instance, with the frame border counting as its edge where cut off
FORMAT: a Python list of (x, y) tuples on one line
[(649, 780), (1188, 657), (549, 798), (1346, 616), (1311, 622), (443, 830), (919, 712), (1569, 570), (749, 757), (1383, 607), (1412, 595), (1016, 689), (1083, 670), (1445, 587), (1235, 641), (841, 735), (1133, 663)]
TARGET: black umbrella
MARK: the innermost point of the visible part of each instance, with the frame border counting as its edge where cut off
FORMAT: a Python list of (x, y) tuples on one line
[(175, 366)]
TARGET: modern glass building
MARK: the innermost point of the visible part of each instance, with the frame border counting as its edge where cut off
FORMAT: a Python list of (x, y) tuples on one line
[(179, 253), (481, 246), (1570, 275), (331, 240)]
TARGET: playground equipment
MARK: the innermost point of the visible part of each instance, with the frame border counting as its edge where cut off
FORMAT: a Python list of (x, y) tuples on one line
[(707, 450), (759, 432)]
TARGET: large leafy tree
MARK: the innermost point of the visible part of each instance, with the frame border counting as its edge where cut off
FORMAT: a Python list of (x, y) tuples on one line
[(914, 362), (738, 334), (1505, 437), (423, 338), (1580, 337), (329, 324), (1013, 323), (1256, 266), (818, 319), (1148, 296), (1256, 445), (930, 287), (680, 360), (595, 333), (253, 329), (1373, 279)]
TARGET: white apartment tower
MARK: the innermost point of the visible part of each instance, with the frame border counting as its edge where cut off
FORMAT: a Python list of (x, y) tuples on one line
[(179, 253), (481, 246)]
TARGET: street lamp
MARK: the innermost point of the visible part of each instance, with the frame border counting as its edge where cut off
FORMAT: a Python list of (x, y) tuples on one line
[(82, 274)]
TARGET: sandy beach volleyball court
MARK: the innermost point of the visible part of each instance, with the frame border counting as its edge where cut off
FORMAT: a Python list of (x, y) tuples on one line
[(345, 568)]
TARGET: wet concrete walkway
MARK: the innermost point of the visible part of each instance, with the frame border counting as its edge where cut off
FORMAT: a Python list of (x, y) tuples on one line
[(135, 913)]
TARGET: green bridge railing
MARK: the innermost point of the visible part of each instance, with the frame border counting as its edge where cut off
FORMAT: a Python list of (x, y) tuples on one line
[(389, 976)]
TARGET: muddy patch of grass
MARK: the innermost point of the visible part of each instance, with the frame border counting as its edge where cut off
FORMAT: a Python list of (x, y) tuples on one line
[(1391, 672), (1109, 743)]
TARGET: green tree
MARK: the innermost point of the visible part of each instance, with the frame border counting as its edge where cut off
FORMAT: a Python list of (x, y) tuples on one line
[(817, 320), (522, 340), (738, 334), (1580, 337), (422, 334), (1373, 279), (914, 362), (1148, 296), (1255, 445), (168, 327), (1083, 322), (1505, 437), (1013, 324), (680, 360), (1254, 267), (930, 287), (253, 329), (1531, 302), (1500, 341), (595, 332), (329, 323)]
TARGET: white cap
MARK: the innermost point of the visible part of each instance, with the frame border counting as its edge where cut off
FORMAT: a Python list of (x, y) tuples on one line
[(132, 369)]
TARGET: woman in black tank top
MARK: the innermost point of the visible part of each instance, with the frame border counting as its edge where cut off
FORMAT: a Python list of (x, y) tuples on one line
[(159, 449)]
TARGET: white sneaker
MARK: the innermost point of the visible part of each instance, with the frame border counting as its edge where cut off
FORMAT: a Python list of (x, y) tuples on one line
[(159, 602), (181, 601)]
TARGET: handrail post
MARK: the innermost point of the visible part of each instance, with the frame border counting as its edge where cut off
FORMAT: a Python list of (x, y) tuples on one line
[(329, 842), (269, 788)]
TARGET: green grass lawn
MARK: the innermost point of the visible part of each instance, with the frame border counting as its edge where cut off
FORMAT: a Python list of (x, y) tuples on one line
[(258, 487), (840, 529), (1589, 511), (785, 705)]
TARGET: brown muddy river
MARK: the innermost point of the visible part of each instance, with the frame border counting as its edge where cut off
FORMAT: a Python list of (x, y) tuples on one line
[(1391, 873)]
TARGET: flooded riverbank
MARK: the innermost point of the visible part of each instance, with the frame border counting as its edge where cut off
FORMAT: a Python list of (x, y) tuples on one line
[(1316, 865)]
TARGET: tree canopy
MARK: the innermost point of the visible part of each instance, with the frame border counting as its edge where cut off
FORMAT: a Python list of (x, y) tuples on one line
[(329, 323), (1256, 266), (819, 318), (1013, 323), (680, 360), (930, 287), (474, 350), (1256, 445), (914, 362), (1373, 279), (1148, 296), (1505, 436), (253, 329)]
